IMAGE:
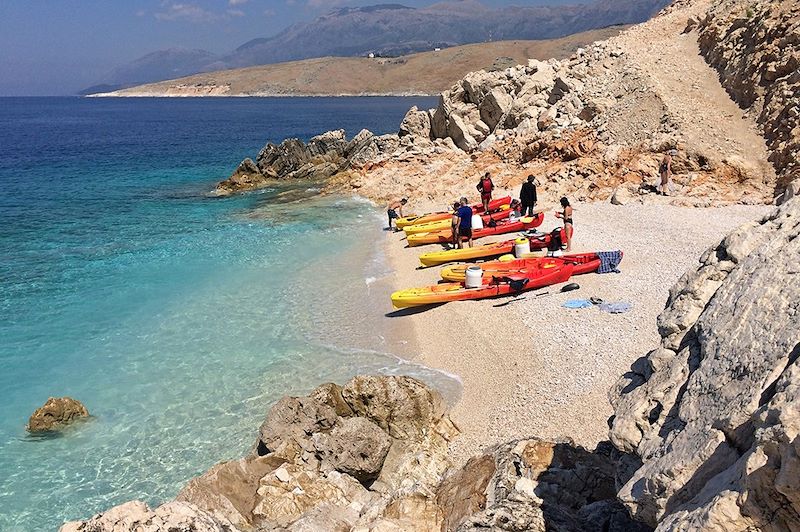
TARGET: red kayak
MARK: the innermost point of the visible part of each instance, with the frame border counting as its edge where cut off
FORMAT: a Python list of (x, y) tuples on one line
[(583, 263), (545, 274), (445, 236)]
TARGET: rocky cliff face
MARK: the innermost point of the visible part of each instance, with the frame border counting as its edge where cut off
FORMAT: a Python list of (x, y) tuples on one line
[(713, 413), (755, 47)]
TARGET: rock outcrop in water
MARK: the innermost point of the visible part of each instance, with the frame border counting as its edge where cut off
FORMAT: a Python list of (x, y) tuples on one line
[(55, 414), (322, 157), (713, 413)]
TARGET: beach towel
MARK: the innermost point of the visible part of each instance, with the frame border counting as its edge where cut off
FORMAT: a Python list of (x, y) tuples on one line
[(609, 260), (577, 303), (615, 308)]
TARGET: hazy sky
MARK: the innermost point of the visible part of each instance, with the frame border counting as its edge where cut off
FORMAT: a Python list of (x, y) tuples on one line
[(61, 46)]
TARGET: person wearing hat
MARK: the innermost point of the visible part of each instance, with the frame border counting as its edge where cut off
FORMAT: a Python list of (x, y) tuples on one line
[(395, 210), (665, 172), (528, 196)]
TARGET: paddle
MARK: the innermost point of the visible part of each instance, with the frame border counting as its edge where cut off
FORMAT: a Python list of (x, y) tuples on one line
[(566, 288)]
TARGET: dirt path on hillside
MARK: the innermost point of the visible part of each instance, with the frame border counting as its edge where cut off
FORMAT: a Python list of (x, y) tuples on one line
[(708, 118)]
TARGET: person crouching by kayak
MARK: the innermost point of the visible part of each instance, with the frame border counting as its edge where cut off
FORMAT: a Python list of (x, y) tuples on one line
[(464, 214), (454, 223), (515, 213), (566, 215), (395, 210), (485, 187)]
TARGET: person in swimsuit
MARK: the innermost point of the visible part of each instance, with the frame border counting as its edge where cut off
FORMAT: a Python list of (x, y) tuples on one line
[(566, 215), (394, 208)]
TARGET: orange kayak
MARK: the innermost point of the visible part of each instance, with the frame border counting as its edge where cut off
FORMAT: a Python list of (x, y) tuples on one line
[(436, 258), (545, 274), (445, 236), (583, 262), (444, 215)]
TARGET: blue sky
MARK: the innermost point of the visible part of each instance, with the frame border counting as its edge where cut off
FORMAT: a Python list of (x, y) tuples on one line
[(61, 46)]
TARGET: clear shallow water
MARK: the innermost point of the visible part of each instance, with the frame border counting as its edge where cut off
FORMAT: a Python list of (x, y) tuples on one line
[(175, 318)]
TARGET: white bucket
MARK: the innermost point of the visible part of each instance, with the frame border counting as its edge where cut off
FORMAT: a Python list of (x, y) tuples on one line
[(477, 221), (474, 277), (521, 247)]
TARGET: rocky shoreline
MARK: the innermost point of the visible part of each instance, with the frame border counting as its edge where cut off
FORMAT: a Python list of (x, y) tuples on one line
[(705, 433)]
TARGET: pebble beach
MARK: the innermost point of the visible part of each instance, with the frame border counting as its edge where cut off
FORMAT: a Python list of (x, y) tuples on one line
[(533, 367)]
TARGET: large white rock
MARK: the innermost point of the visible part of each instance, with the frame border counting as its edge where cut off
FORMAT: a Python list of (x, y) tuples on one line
[(713, 412)]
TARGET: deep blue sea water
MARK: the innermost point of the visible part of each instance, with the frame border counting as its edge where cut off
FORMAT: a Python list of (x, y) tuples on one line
[(175, 317)]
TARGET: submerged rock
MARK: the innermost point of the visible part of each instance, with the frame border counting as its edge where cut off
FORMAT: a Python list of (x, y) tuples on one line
[(55, 414)]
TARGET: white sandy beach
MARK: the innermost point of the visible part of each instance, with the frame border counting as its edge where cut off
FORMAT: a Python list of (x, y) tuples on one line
[(534, 368)]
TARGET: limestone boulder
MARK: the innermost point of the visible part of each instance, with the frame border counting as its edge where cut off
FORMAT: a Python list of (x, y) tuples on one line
[(291, 422), (403, 406), (331, 394), (136, 516), (229, 489), (356, 446), (292, 490), (537, 485), (416, 123), (477, 85), (712, 412), (460, 132), (55, 414), (329, 142)]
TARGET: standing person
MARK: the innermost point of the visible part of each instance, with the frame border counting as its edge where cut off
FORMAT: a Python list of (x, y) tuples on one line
[(566, 215), (454, 223), (395, 210), (528, 196), (485, 186), (665, 172), (464, 214)]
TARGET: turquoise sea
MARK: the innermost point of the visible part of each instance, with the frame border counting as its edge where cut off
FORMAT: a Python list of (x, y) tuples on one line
[(175, 317)]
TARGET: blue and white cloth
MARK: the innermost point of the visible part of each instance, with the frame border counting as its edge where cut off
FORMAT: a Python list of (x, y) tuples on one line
[(609, 260)]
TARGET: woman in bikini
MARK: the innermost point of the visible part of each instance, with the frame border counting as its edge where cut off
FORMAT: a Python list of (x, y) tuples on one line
[(566, 215)]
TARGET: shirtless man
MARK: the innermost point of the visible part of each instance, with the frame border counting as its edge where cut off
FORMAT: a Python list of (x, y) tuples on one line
[(395, 210)]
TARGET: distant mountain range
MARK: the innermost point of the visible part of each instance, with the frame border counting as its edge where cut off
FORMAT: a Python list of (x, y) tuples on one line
[(387, 30)]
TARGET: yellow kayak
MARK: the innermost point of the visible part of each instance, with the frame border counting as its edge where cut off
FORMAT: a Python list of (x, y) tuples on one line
[(438, 225), (436, 258)]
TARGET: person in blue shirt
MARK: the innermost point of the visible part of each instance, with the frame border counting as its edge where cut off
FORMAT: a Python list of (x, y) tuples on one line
[(464, 214)]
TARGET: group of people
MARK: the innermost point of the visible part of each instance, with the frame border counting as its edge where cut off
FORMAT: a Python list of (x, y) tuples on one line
[(461, 221)]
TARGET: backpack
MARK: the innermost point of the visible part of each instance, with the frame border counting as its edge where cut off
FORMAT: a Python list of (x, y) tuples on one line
[(555, 240), (486, 184)]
